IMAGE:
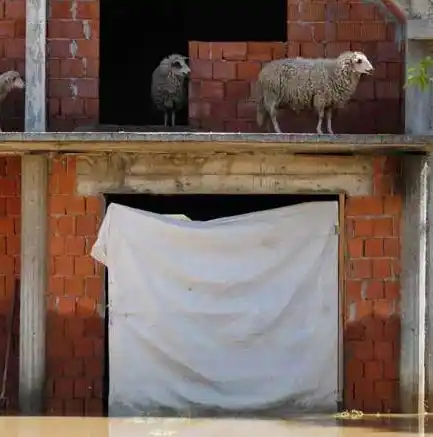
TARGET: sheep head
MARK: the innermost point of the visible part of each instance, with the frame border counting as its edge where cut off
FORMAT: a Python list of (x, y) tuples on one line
[(11, 80), (357, 62), (176, 64)]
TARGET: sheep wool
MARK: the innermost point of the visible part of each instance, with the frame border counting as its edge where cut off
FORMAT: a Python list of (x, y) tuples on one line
[(316, 84), (168, 86)]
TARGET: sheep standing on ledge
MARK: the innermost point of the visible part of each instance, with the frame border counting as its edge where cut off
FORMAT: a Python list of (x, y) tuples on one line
[(301, 83), (9, 81), (168, 86)]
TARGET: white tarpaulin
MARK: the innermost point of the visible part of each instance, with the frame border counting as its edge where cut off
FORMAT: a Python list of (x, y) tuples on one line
[(238, 313)]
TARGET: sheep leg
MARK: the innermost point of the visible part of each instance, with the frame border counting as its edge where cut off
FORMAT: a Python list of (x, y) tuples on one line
[(173, 118), (165, 119), (329, 121), (320, 121), (273, 114)]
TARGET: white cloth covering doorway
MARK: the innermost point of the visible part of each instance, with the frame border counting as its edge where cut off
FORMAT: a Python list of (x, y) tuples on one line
[(238, 313)]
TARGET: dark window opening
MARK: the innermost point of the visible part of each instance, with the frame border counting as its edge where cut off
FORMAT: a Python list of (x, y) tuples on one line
[(135, 38), (197, 207)]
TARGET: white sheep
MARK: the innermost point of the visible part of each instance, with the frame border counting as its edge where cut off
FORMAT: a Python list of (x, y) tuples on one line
[(9, 81), (301, 83), (168, 87)]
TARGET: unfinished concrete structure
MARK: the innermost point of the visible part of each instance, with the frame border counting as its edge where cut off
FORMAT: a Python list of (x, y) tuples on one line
[(53, 203)]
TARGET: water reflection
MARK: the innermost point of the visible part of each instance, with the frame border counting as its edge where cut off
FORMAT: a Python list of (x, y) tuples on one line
[(306, 426)]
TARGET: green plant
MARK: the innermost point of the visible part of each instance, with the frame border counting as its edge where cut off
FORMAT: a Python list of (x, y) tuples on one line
[(419, 76)]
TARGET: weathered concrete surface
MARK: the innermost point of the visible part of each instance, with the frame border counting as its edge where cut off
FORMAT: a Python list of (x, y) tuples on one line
[(413, 279), (224, 173)]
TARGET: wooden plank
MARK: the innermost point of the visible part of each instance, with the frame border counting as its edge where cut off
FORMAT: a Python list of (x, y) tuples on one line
[(33, 284)]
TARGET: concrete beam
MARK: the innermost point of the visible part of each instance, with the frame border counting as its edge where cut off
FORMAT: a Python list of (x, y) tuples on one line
[(35, 101), (420, 29), (413, 279)]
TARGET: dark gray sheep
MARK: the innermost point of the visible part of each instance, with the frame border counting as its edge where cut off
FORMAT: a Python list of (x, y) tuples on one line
[(168, 86), (301, 83), (9, 81)]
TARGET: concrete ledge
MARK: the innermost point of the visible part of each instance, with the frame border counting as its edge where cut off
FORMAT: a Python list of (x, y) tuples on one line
[(420, 29), (22, 143)]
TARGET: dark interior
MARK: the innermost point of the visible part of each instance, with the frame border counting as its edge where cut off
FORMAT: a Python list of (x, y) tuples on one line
[(135, 38), (198, 207)]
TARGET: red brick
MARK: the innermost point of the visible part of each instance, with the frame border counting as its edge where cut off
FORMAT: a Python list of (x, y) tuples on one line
[(57, 245), (313, 11), (65, 225), (248, 70), (299, 32), (362, 350), (73, 407), (235, 51), (381, 268), (93, 205), (86, 225), (63, 388), (7, 29), (224, 70), (82, 387), (354, 369), (72, 68), (83, 348), (93, 368), (392, 247), (93, 287), (353, 290), (356, 247), (94, 327), (211, 90), (56, 286), (74, 286), (392, 204), (88, 88), (73, 368), (293, 49), (15, 9), (312, 50), (237, 89), (360, 268), (373, 370), (387, 90), (200, 69), (383, 350), (382, 227), (6, 225), (65, 305), (75, 205), (84, 266), (88, 10), (74, 245), (362, 12), (87, 49), (364, 389), (391, 370), (61, 9), (385, 389), (64, 265), (74, 328), (334, 49), (374, 247), (363, 227), (258, 51), (374, 328), (375, 290), (392, 289)]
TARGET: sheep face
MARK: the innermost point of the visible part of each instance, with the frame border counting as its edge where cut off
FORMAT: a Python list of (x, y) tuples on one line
[(357, 62), (13, 80), (177, 65)]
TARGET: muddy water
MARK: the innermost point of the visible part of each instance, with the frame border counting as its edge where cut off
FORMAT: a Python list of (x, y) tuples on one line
[(397, 426)]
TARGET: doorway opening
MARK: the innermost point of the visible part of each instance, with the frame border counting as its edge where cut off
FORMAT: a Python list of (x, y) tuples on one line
[(201, 207), (135, 38)]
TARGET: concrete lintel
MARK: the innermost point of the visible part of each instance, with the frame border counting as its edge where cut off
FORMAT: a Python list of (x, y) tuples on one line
[(34, 195), (420, 29)]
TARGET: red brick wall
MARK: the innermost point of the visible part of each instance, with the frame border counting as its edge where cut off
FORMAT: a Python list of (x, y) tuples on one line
[(75, 331), (73, 63), (372, 294), (12, 46), (10, 209), (222, 73), (75, 336)]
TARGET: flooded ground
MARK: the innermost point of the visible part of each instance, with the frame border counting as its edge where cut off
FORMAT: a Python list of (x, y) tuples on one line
[(311, 426)]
